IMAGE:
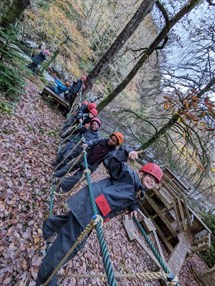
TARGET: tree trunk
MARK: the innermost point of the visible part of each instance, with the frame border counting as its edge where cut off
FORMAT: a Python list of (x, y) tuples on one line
[(161, 132), (186, 9), (144, 9), (14, 12)]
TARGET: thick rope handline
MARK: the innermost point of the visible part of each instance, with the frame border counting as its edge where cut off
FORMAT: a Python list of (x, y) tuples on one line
[(156, 253), (144, 276), (66, 195), (76, 145), (105, 253), (72, 128), (80, 96), (73, 164), (84, 233)]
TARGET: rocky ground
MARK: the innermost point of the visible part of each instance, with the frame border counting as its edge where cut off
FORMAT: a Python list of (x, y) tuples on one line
[(29, 141)]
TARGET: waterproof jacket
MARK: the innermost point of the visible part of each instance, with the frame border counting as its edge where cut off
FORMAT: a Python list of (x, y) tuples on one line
[(39, 58), (112, 195), (90, 137), (73, 90)]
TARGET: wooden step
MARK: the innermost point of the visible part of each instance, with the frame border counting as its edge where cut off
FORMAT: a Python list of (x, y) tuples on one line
[(179, 254)]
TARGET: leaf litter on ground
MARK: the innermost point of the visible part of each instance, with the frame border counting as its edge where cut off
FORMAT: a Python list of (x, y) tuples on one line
[(28, 145)]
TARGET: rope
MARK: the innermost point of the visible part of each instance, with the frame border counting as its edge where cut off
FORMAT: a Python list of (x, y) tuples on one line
[(69, 131), (51, 200), (105, 253), (84, 233), (76, 145), (144, 276), (156, 253)]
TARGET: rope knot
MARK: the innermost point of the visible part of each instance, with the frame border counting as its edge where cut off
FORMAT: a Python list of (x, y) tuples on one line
[(97, 219), (87, 171), (171, 279)]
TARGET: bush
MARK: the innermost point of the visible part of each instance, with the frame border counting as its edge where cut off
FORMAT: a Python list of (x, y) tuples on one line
[(12, 65), (209, 254)]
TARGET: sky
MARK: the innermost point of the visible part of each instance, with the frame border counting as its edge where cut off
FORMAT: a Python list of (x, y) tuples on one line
[(174, 52)]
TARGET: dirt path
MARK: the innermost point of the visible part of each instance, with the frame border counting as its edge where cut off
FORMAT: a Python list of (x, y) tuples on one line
[(29, 142)]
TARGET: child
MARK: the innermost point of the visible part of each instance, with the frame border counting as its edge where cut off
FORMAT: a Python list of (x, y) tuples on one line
[(112, 195), (74, 88), (95, 156), (81, 114), (66, 153), (38, 59)]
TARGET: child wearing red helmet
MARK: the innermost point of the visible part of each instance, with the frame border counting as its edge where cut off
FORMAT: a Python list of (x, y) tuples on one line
[(114, 195), (83, 114)]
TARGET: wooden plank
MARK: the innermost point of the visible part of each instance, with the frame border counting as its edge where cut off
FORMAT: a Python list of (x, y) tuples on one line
[(184, 201), (132, 232), (164, 197), (161, 215), (177, 218), (48, 92), (181, 212), (179, 254)]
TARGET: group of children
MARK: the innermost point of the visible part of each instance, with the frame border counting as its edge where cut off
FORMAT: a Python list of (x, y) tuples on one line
[(119, 192), (68, 90)]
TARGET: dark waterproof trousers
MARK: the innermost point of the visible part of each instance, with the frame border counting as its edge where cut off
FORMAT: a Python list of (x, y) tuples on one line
[(66, 154), (69, 182), (32, 66), (68, 229), (69, 121)]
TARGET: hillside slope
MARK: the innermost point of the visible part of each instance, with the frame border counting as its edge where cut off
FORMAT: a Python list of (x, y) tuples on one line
[(29, 141)]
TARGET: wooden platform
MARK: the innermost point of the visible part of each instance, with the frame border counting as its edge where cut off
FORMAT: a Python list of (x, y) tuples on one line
[(47, 92)]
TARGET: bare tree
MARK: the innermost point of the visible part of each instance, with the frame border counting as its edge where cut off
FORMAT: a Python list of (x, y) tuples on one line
[(148, 51)]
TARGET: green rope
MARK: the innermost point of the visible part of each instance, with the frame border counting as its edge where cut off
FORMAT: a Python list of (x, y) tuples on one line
[(154, 250), (105, 253), (51, 199)]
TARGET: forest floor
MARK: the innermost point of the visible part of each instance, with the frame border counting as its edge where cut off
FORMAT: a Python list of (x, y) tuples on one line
[(29, 140)]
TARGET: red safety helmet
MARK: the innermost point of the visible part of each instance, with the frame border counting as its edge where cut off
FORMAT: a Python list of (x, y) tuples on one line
[(94, 112), (153, 170), (83, 77), (91, 105), (85, 102), (97, 120), (119, 136)]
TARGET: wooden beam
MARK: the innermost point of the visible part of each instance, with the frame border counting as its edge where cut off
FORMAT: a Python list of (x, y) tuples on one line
[(161, 215), (48, 92)]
